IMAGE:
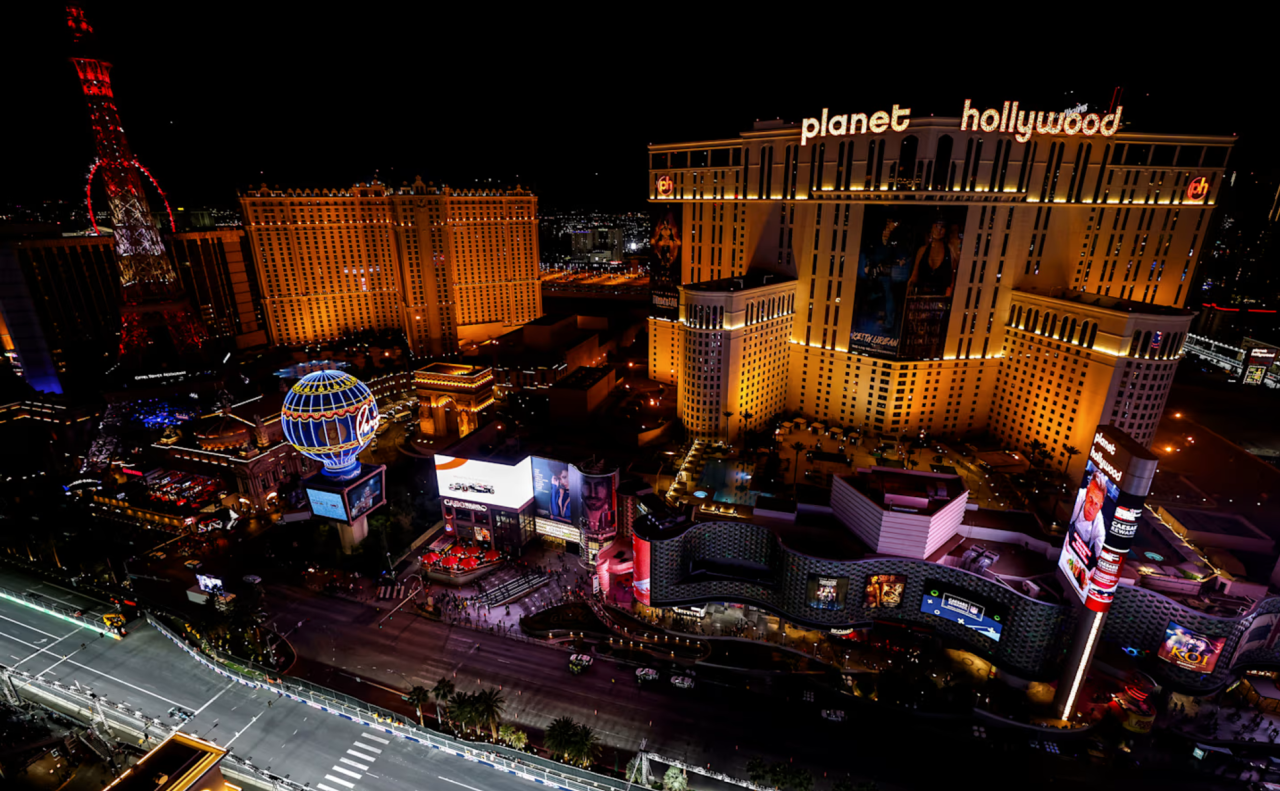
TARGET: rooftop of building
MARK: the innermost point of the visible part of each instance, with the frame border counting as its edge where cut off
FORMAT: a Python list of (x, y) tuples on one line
[(583, 379), (1115, 304), (749, 280), (908, 491), (452, 369), (175, 764)]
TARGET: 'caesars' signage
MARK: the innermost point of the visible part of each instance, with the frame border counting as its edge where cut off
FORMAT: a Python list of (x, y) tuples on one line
[(1022, 124), (466, 505)]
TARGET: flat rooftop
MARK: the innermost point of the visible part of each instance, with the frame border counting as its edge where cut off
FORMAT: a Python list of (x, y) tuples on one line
[(451, 369), (583, 379), (922, 492), (749, 280), (1106, 303), (176, 764)]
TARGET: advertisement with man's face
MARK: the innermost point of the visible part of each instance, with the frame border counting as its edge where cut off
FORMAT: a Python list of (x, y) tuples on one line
[(551, 493), (1095, 506), (365, 496), (595, 502), (884, 590), (906, 276), (664, 261), (827, 593), (1190, 650)]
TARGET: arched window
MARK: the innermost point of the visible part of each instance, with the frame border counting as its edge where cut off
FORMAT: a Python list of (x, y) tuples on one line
[(1053, 325), (1144, 350), (907, 163), (942, 168), (1093, 335), (1165, 342), (1136, 344), (1071, 332)]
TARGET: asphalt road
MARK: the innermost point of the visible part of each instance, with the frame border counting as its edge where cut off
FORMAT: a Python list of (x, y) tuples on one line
[(150, 674)]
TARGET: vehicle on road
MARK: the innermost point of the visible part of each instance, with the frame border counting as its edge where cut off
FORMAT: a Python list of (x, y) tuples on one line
[(193, 564), (158, 555), (578, 664), (682, 682), (252, 579), (834, 715), (646, 674)]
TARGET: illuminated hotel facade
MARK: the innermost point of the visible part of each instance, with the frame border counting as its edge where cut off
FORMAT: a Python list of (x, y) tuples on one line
[(446, 266), (945, 279)]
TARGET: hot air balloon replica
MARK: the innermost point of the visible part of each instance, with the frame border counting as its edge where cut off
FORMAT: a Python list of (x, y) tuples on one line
[(331, 416)]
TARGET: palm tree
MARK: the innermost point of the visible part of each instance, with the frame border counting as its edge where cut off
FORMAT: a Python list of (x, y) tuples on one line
[(513, 736), (487, 706), (442, 692), (675, 780), (797, 447), (743, 419), (586, 749), (462, 710), (418, 697), (1036, 447), (758, 771), (727, 415), (1072, 451), (560, 736)]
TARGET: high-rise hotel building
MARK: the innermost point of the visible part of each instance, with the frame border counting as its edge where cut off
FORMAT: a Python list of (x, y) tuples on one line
[(444, 265), (1004, 271)]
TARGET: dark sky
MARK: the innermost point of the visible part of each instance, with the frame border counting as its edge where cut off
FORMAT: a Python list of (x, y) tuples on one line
[(218, 96)]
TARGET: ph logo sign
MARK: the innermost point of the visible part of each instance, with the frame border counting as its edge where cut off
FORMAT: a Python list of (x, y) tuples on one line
[(666, 186), (1198, 189)]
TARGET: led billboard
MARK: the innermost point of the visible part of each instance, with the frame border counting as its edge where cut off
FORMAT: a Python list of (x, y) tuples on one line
[(209, 584), (1257, 361), (1104, 517), (551, 490), (884, 590), (906, 276), (640, 575), (664, 260), (485, 481), (327, 504), (962, 607), (365, 495), (827, 593), (1190, 650)]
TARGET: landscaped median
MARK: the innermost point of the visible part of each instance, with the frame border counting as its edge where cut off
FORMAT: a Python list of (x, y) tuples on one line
[(530, 767)]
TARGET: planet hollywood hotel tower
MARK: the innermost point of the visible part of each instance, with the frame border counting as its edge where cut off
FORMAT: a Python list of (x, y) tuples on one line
[(1013, 269)]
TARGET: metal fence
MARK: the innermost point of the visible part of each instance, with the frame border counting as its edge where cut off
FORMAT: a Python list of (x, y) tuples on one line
[(146, 732), (59, 611), (530, 767)]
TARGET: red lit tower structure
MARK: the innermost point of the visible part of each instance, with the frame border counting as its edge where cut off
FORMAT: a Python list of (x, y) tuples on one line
[(156, 321)]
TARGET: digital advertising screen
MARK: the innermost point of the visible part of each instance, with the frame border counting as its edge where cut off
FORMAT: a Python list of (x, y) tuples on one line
[(484, 481), (906, 277), (664, 260), (827, 593), (884, 591), (1095, 506), (962, 607), (1190, 650), (209, 584), (327, 504), (594, 501), (551, 491), (640, 574), (1257, 361), (365, 496)]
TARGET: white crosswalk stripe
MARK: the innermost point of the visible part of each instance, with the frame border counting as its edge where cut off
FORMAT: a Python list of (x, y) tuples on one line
[(339, 781), (324, 787), (350, 762), (362, 756), (348, 772), (375, 738), (363, 746)]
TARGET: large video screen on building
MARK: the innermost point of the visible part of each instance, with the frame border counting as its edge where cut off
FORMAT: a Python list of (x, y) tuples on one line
[(594, 501), (365, 495), (907, 268), (327, 504), (827, 593), (884, 591), (551, 490), (484, 481), (1190, 650), (1095, 507), (640, 577), (967, 609)]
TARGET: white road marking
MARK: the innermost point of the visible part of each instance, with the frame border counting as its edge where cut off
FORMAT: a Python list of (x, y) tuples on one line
[(340, 781), (324, 787), (363, 746), (25, 626), (375, 738), (47, 647), (55, 598), (349, 762), (348, 772), (361, 756), (455, 782), (242, 730), (99, 672)]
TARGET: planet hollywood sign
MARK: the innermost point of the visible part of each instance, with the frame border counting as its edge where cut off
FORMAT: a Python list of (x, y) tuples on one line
[(1008, 119)]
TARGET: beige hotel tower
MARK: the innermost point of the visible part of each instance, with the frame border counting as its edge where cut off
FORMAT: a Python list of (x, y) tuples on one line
[(940, 275)]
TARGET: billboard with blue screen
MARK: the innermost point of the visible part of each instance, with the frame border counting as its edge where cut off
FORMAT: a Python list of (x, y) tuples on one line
[(327, 504), (960, 606)]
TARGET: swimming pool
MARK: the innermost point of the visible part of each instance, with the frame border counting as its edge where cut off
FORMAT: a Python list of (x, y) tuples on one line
[(729, 480)]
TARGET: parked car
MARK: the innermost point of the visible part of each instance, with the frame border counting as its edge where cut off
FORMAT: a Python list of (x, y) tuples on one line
[(252, 579), (192, 564), (834, 715), (682, 682)]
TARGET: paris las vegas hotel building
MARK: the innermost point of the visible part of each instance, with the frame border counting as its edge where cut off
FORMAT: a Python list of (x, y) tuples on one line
[(1072, 254)]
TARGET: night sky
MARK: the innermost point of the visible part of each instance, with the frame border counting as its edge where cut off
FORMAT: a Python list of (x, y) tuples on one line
[(219, 96)]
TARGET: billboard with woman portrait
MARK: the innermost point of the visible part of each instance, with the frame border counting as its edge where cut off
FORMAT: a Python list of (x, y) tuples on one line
[(907, 267)]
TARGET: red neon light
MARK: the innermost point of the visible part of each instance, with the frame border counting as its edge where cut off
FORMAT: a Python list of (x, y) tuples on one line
[(1260, 310), (88, 196)]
